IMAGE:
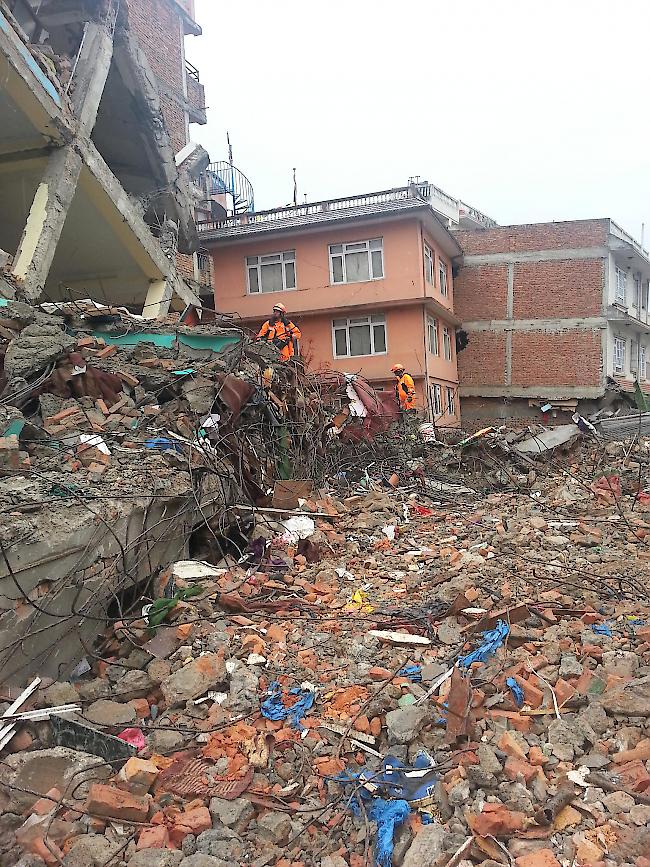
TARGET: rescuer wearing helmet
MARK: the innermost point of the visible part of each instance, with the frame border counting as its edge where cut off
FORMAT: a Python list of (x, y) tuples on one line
[(281, 332), (404, 389)]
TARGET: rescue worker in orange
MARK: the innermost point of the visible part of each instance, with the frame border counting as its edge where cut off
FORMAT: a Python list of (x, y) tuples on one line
[(404, 389), (281, 332)]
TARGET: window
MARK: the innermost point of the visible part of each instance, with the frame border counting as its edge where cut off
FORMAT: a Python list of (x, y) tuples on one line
[(637, 291), (365, 335), (432, 335), (446, 343), (621, 282), (355, 263), (428, 264), (442, 273), (275, 272), (450, 401), (436, 399), (619, 355), (634, 356), (642, 361)]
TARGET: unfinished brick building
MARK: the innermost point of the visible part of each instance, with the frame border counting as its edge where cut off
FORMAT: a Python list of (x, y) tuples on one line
[(556, 314)]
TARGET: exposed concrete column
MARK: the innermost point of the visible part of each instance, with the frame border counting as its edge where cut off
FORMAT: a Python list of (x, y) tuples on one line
[(510, 307), (56, 190), (90, 76), (46, 219), (158, 300)]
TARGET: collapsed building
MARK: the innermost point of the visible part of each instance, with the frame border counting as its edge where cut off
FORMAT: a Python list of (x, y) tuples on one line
[(98, 179)]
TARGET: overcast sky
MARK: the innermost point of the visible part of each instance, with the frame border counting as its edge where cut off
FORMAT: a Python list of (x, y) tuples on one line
[(526, 111)]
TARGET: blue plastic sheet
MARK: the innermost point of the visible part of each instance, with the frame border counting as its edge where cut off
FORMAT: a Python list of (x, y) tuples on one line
[(164, 444), (602, 629), (387, 814), (516, 690), (492, 641), (413, 672), (274, 708)]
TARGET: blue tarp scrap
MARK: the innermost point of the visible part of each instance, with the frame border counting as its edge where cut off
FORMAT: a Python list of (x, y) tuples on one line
[(413, 672), (602, 629), (516, 690), (492, 641), (387, 814), (405, 785), (273, 707)]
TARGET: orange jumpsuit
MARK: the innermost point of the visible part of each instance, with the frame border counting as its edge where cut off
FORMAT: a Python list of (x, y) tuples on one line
[(405, 391), (281, 335)]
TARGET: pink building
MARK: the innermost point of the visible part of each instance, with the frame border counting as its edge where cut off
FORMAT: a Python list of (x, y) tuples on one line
[(369, 280)]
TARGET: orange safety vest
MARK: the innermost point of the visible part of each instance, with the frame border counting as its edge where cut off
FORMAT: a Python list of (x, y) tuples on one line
[(282, 335), (405, 391)]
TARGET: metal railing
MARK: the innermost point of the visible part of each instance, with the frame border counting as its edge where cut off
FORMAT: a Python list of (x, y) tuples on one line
[(222, 178), (192, 71), (250, 218)]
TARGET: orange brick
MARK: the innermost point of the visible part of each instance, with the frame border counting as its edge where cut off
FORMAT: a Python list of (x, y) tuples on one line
[(533, 696), (515, 767), (193, 821), (141, 707), (153, 838), (510, 746), (113, 803), (540, 858)]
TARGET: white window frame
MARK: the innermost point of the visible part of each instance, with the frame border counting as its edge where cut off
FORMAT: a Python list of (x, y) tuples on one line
[(642, 361), (443, 277), (619, 354), (436, 398), (621, 285), (335, 253), (284, 258), (634, 356), (379, 319), (451, 401), (432, 328), (638, 290), (429, 264), (447, 350)]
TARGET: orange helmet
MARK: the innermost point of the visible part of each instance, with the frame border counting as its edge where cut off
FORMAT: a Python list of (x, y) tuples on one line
[(280, 307), (397, 367)]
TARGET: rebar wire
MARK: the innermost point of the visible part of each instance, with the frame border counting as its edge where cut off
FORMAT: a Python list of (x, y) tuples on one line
[(247, 453)]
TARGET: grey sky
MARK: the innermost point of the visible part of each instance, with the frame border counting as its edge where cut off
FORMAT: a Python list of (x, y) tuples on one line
[(527, 111)]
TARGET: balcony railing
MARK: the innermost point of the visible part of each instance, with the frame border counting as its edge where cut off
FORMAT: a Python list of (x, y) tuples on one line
[(225, 180), (192, 71), (246, 219)]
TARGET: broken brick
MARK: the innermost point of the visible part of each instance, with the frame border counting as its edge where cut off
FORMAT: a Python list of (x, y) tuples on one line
[(113, 803)]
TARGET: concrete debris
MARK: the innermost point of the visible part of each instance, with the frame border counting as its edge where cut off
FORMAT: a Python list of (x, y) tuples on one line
[(535, 753)]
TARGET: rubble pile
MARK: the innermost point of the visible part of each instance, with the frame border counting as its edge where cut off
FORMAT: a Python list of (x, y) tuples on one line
[(411, 673), (123, 444)]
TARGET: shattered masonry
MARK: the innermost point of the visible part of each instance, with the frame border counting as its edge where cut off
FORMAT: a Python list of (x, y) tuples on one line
[(413, 653)]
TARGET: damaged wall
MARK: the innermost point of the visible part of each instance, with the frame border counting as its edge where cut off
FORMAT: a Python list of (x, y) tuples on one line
[(111, 78)]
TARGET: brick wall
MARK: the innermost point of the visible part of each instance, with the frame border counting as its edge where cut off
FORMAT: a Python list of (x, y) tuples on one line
[(566, 358), (483, 361), (185, 265), (480, 292), (534, 236), (157, 26), (554, 354), (551, 289)]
